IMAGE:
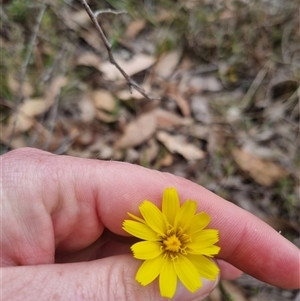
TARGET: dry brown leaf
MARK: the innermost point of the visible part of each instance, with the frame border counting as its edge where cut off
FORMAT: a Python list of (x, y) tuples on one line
[(262, 171), (234, 291), (105, 117), (101, 150), (91, 36), (200, 109), (54, 89), (178, 144), (131, 155), (28, 110), (167, 160), (14, 87), (181, 102), (167, 64), (168, 120), (164, 15), (134, 28), (126, 94), (151, 151), (85, 136), (87, 109), (34, 107), (81, 18), (137, 64), (138, 131), (205, 83), (88, 59), (77, 19), (216, 294), (103, 100), (17, 141), (80, 153)]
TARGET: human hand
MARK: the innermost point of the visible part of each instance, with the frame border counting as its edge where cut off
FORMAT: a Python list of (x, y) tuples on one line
[(54, 246)]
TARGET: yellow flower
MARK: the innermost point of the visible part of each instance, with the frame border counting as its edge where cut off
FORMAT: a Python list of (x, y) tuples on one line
[(175, 244)]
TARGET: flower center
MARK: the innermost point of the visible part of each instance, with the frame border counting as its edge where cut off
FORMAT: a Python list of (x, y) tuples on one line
[(172, 243)]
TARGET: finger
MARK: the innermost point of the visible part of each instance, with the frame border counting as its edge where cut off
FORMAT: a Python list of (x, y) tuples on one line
[(228, 271), (84, 195), (112, 278)]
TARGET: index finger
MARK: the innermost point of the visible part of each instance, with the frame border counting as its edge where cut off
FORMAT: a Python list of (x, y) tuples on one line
[(84, 196), (246, 242)]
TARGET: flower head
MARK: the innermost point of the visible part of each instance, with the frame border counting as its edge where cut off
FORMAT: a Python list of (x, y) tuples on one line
[(175, 244)]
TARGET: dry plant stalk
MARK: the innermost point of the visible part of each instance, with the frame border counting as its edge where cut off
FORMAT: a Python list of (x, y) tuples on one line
[(24, 68), (93, 17)]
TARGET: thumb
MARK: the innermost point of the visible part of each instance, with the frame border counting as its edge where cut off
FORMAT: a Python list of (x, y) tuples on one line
[(111, 278)]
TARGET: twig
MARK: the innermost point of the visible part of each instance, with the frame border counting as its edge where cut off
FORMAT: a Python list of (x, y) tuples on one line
[(24, 67), (254, 86), (108, 11), (93, 17)]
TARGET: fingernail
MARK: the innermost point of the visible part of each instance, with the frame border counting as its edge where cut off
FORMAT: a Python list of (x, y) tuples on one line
[(183, 294)]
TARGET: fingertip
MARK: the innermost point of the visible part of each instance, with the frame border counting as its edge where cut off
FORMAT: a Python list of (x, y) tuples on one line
[(207, 287), (228, 271)]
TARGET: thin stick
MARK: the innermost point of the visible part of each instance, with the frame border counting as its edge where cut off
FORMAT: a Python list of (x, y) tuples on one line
[(24, 67), (131, 82)]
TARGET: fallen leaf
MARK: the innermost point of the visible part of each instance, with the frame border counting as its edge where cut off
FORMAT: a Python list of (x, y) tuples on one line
[(134, 28), (88, 59), (77, 19), (14, 86), (54, 89), (151, 151), (103, 100), (91, 36), (200, 110), (167, 63), (178, 144), (126, 94), (105, 117), (262, 171), (81, 18), (85, 136), (168, 120), (167, 160), (16, 142), (216, 294), (205, 83), (181, 102), (29, 109), (87, 109), (138, 131), (132, 155), (101, 150), (234, 291), (137, 64)]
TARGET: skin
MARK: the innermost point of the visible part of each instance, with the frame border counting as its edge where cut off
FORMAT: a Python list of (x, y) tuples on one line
[(54, 245)]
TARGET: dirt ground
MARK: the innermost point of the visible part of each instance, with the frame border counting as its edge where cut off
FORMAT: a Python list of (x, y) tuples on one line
[(218, 101)]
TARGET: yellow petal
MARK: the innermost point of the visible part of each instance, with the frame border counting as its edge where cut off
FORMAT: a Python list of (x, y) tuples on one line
[(185, 214), (146, 250), (205, 237), (187, 273), (136, 218), (170, 204), (149, 270), (198, 223), (167, 279), (139, 230), (153, 217), (206, 268), (209, 251)]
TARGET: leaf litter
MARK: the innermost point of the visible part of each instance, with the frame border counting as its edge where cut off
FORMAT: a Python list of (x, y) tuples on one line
[(227, 116)]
